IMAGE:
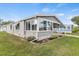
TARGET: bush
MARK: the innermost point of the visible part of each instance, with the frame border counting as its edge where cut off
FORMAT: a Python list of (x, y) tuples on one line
[(60, 35), (36, 41), (50, 38), (63, 32), (75, 30), (42, 41), (53, 37), (31, 38)]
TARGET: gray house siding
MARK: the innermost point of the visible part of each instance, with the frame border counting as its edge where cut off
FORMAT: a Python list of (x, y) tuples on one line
[(30, 32), (52, 18), (20, 30), (44, 34), (9, 30), (3, 28)]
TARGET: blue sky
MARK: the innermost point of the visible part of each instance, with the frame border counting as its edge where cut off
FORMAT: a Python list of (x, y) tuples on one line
[(18, 11)]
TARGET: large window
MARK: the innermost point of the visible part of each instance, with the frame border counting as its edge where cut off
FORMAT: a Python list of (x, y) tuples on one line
[(34, 27), (10, 27), (49, 25), (43, 25), (55, 25), (18, 26), (68, 27), (31, 26), (27, 25)]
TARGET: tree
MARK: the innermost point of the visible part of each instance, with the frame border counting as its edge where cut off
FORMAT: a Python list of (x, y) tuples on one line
[(75, 20), (1, 22), (6, 22)]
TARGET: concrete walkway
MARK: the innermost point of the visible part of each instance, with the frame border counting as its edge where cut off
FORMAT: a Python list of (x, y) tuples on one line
[(68, 35), (71, 35)]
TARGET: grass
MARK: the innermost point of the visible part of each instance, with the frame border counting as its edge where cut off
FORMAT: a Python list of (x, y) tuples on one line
[(13, 46)]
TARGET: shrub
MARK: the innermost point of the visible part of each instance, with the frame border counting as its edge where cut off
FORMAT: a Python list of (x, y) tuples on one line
[(63, 32), (36, 41), (53, 37), (44, 40), (60, 35), (31, 38), (75, 30), (40, 41)]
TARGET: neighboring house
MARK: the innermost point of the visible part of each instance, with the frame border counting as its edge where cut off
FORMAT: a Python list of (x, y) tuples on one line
[(40, 26), (3, 28)]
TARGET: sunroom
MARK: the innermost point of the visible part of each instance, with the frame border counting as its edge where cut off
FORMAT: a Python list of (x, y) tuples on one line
[(40, 28)]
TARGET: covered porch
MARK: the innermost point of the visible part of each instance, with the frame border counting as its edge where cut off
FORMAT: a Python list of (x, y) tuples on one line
[(40, 28), (45, 28), (47, 25)]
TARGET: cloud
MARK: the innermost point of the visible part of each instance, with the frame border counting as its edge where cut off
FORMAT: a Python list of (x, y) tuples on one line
[(71, 16), (75, 10), (59, 5), (60, 14), (45, 9)]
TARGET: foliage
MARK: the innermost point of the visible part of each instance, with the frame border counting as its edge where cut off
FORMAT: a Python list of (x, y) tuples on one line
[(1, 20), (75, 30), (6, 22), (75, 20), (30, 38)]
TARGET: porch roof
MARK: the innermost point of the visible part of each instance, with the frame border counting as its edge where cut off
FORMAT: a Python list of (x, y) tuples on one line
[(39, 15)]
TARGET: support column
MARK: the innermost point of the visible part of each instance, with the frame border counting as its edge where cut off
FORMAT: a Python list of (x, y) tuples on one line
[(37, 30), (52, 27), (30, 26), (37, 25), (46, 25)]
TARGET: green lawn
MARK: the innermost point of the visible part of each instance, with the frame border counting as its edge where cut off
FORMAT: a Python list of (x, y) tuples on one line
[(12, 45)]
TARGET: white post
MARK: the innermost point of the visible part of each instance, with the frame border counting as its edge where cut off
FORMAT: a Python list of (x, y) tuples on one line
[(52, 27), (37, 25), (30, 26), (46, 25), (37, 30)]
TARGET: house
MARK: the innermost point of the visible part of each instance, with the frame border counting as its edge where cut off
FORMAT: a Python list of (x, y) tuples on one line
[(3, 28), (40, 26)]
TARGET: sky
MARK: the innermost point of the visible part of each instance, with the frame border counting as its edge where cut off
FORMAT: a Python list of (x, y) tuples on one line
[(18, 11)]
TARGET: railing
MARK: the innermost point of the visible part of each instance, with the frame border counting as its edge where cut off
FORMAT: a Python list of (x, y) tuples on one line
[(61, 30)]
